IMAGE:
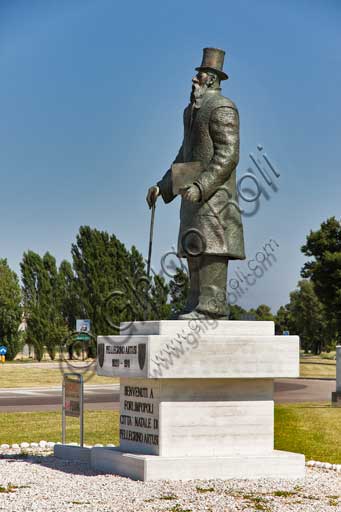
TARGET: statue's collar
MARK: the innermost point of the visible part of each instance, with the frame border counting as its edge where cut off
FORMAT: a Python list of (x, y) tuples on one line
[(213, 91), (209, 94)]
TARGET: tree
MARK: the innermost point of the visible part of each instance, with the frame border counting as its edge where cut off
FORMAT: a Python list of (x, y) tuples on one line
[(32, 270), (178, 289), (283, 320), (263, 312), (68, 297), (159, 308), (324, 245), (42, 303), (111, 283), (10, 310), (308, 319), (237, 312), (149, 301)]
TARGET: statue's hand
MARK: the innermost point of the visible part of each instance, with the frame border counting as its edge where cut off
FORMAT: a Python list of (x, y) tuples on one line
[(152, 195), (192, 194)]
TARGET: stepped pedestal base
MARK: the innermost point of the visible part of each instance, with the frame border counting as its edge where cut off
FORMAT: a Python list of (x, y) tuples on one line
[(276, 464)]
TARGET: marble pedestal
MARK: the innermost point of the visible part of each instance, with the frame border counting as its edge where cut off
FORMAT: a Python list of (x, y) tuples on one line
[(196, 400)]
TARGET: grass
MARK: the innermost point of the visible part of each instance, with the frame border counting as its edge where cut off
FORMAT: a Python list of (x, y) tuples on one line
[(100, 427), (328, 355), (323, 366), (8, 489), (284, 494), (178, 508), (262, 501), (257, 502), (16, 376), (318, 371), (312, 429), (309, 428)]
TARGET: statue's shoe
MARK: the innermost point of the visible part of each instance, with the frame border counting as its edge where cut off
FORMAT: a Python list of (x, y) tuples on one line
[(185, 311), (199, 315), (175, 316)]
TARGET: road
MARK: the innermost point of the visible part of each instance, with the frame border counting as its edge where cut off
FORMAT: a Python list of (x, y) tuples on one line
[(107, 396), (303, 390), (50, 398)]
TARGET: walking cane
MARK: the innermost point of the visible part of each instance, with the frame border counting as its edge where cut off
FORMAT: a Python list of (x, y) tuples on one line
[(151, 230), (149, 261)]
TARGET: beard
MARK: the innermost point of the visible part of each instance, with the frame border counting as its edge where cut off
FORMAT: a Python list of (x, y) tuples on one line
[(197, 94)]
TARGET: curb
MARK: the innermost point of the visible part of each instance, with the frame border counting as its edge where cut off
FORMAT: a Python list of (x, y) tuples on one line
[(42, 445), (324, 465)]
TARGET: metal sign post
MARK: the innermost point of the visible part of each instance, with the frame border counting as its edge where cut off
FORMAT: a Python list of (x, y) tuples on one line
[(73, 402)]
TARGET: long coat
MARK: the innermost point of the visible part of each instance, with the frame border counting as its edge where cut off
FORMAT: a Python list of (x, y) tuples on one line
[(211, 136)]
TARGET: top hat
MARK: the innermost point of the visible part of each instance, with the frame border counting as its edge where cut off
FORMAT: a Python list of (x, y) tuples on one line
[(213, 60)]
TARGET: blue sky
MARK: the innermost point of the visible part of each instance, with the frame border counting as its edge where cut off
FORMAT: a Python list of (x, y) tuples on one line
[(91, 101)]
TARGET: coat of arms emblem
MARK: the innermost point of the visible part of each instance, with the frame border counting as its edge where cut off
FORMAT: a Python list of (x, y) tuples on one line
[(141, 352), (100, 354)]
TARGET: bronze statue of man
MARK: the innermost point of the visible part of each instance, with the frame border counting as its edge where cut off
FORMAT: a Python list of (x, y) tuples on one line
[(211, 231)]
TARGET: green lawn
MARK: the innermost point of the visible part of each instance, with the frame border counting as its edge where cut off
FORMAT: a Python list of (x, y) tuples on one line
[(318, 370), (100, 427), (312, 429), (323, 366)]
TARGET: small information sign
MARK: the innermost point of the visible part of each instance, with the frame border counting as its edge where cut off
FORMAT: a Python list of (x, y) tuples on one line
[(83, 330), (72, 397), (73, 400), (83, 325)]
